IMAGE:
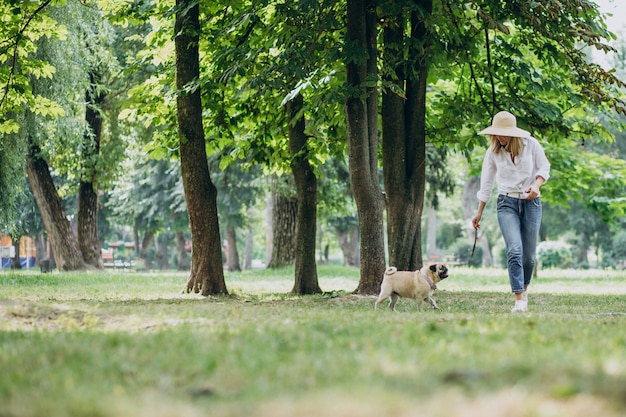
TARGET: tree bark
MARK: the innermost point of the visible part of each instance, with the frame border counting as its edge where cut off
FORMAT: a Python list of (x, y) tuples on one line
[(284, 215), (15, 262), (87, 195), (306, 281), (64, 245), (207, 271), (232, 260), (362, 130), (404, 139)]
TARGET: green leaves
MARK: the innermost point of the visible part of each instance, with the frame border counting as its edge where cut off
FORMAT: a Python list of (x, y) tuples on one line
[(46, 107)]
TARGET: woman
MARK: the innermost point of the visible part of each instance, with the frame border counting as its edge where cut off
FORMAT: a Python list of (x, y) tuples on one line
[(517, 163)]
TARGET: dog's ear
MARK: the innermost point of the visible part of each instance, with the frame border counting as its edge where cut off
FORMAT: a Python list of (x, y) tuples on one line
[(433, 267)]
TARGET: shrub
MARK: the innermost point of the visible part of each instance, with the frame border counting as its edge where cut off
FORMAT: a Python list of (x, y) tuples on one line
[(463, 253), (554, 254)]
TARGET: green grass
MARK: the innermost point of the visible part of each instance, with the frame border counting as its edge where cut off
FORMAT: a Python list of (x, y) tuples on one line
[(131, 344)]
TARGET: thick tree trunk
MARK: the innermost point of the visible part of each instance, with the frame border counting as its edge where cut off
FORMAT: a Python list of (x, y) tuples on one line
[(404, 140), (232, 259), (207, 270), (67, 255), (284, 215), (87, 196), (88, 225), (306, 281), (361, 123)]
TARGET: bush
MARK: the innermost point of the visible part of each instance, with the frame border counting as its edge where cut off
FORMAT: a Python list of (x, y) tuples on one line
[(555, 254), (615, 256), (463, 253)]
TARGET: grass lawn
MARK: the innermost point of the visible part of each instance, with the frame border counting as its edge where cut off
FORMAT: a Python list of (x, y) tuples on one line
[(130, 344)]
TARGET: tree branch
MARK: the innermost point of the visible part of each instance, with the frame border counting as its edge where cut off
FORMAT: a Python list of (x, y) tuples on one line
[(18, 36)]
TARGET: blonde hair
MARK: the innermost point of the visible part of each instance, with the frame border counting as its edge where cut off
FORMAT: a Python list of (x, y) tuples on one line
[(514, 147)]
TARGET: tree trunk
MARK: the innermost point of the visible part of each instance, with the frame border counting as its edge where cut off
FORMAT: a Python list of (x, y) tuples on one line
[(349, 243), (207, 270), (162, 258), (362, 130), (87, 196), (15, 262), (67, 255), (40, 245), (232, 260), (284, 214), (146, 243), (404, 139), (181, 253), (306, 281), (88, 225)]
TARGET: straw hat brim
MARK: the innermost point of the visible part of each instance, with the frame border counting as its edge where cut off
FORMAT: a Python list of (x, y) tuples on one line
[(515, 132)]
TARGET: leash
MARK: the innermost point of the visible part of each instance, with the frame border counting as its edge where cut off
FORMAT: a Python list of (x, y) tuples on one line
[(475, 239)]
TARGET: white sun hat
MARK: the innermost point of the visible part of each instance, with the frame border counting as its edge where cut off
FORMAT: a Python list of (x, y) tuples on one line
[(504, 124)]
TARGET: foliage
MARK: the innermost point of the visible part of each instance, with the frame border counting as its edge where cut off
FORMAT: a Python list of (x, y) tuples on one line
[(276, 355), (148, 194), (528, 58), (554, 254), (578, 174), (463, 253), (615, 255), (23, 25)]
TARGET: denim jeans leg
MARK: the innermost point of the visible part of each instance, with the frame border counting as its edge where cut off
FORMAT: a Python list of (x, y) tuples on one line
[(509, 218), (531, 221)]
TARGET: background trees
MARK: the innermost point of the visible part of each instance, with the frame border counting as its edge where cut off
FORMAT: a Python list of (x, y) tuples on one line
[(416, 77)]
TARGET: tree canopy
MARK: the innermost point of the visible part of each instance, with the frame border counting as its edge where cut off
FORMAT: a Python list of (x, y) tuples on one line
[(429, 74)]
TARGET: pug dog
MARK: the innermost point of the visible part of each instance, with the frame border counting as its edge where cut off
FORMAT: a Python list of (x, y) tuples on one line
[(419, 285)]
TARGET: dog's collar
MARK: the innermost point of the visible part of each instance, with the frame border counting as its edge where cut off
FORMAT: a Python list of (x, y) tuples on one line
[(430, 282)]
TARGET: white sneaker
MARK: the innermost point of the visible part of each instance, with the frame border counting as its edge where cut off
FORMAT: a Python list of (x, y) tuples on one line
[(520, 306)]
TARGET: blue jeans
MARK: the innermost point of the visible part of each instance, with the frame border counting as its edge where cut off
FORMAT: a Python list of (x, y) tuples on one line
[(519, 222)]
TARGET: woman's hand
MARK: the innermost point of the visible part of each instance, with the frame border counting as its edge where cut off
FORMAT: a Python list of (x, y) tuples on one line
[(476, 220), (479, 215), (533, 190)]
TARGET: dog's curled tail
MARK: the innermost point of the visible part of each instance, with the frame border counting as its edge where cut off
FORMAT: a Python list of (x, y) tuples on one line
[(391, 270)]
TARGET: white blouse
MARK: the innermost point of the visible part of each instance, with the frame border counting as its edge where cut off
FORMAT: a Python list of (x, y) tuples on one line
[(513, 177)]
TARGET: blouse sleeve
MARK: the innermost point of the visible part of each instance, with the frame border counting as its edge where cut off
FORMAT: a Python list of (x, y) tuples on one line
[(487, 177), (542, 165)]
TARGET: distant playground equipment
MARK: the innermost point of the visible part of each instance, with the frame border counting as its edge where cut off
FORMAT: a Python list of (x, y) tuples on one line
[(27, 255), (118, 255)]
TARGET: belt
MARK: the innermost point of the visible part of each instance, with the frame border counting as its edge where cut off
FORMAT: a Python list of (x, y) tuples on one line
[(521, 196)]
